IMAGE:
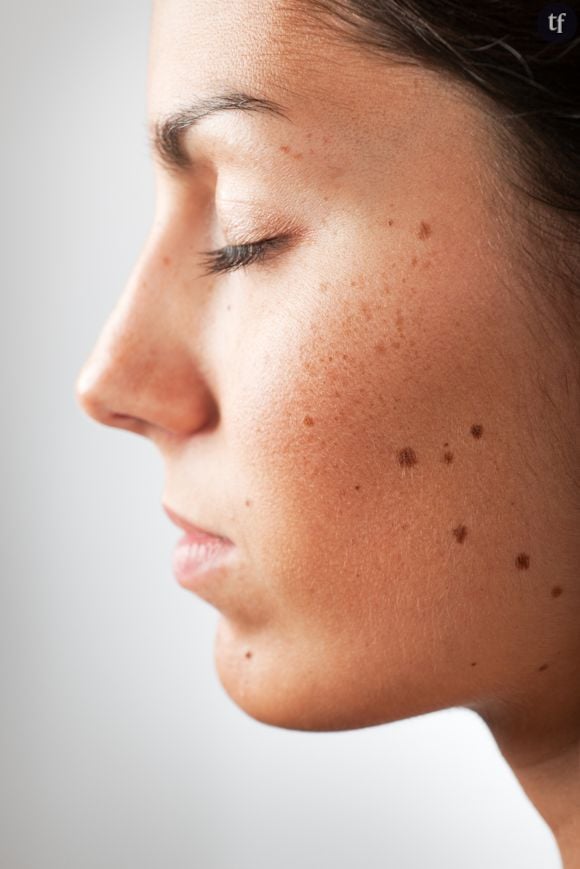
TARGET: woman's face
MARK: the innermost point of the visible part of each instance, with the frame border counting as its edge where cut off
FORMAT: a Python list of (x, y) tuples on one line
[(367, 413)]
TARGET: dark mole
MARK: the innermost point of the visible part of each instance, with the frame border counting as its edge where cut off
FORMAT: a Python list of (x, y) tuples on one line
[(448, 457), (460, 533), (424, 230), (446, 445), (407, 456), (248, 654), (390, 222), (477, 431), (357, 488), (474, 663), (556, 591), (543, 667), (248, 502), (522, 561), (308, 420)]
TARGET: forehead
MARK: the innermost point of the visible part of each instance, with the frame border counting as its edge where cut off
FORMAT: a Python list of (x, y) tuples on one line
[(275, 49), (200, 47)]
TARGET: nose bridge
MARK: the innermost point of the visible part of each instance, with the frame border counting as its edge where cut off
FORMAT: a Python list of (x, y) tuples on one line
[(142, 372)]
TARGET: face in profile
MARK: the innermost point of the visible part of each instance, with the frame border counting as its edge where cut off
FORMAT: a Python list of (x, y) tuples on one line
[(366, 408)]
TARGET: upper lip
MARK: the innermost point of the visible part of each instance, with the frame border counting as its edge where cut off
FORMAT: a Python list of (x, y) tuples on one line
[(189, 527)]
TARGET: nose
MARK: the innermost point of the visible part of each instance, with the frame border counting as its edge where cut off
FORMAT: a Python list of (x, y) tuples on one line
[(144, 373)]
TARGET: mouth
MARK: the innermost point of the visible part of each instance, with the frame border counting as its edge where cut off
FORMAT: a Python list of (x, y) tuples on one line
[(199, 555), (195, 533)]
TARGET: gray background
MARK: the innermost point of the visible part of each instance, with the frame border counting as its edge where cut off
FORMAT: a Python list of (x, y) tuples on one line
[(119, 748)]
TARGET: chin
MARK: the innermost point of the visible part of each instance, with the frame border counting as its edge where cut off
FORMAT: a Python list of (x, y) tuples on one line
[(272, 685)]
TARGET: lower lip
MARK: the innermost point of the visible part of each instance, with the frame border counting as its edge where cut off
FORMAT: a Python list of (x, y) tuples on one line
[(196, 556)]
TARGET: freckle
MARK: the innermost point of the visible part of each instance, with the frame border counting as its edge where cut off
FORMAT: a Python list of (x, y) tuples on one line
[(391, 222), (460, 533), (357, 488), (298, 156), (477, 431), (380, 347), (414, 261), (248, 654), (308, 420), (543, 667), (424, 230), (285, 148), (448, 457), (407, 456), (474, 663), (166, 260), (556, 591), (345, 355), (446, 445), (522, 561), (248, 502)]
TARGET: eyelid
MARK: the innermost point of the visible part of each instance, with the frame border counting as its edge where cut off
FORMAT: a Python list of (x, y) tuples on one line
[(231, 257)]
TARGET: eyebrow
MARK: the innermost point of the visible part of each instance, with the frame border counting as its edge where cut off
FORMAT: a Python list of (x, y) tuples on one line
[(166, 133)]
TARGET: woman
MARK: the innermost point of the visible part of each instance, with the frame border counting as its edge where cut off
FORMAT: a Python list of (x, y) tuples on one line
[(353, 335)]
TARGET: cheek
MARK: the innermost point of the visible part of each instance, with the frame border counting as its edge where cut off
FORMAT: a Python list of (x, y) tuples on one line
[(372, 427)]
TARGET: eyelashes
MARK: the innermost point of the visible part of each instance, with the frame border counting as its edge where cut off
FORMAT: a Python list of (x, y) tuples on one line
[(235, 256)]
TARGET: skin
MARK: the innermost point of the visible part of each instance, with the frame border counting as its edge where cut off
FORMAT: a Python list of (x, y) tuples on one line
[(377, 416)]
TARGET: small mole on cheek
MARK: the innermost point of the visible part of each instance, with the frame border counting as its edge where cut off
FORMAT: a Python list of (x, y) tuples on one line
[(474, 663), (556, 591), (357, 488), (248, 503), (460, 533), (543, 667), (308, 420), (166, 260), (285, 149), (390, 222), (248, 654), (522, 561), (424, 230), (407, 456), (414, 261), (477, 431), (448, 458)]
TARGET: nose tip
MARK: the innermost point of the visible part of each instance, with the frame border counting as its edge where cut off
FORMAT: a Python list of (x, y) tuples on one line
[(87, 396)]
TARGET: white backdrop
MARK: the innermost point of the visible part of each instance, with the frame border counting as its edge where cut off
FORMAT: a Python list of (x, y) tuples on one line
[(119, 748)]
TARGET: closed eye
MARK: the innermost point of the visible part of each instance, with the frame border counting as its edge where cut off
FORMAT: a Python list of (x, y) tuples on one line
[(235, 256)]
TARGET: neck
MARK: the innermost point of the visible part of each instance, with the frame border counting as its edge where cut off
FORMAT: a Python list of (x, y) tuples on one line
[(545, 758)]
